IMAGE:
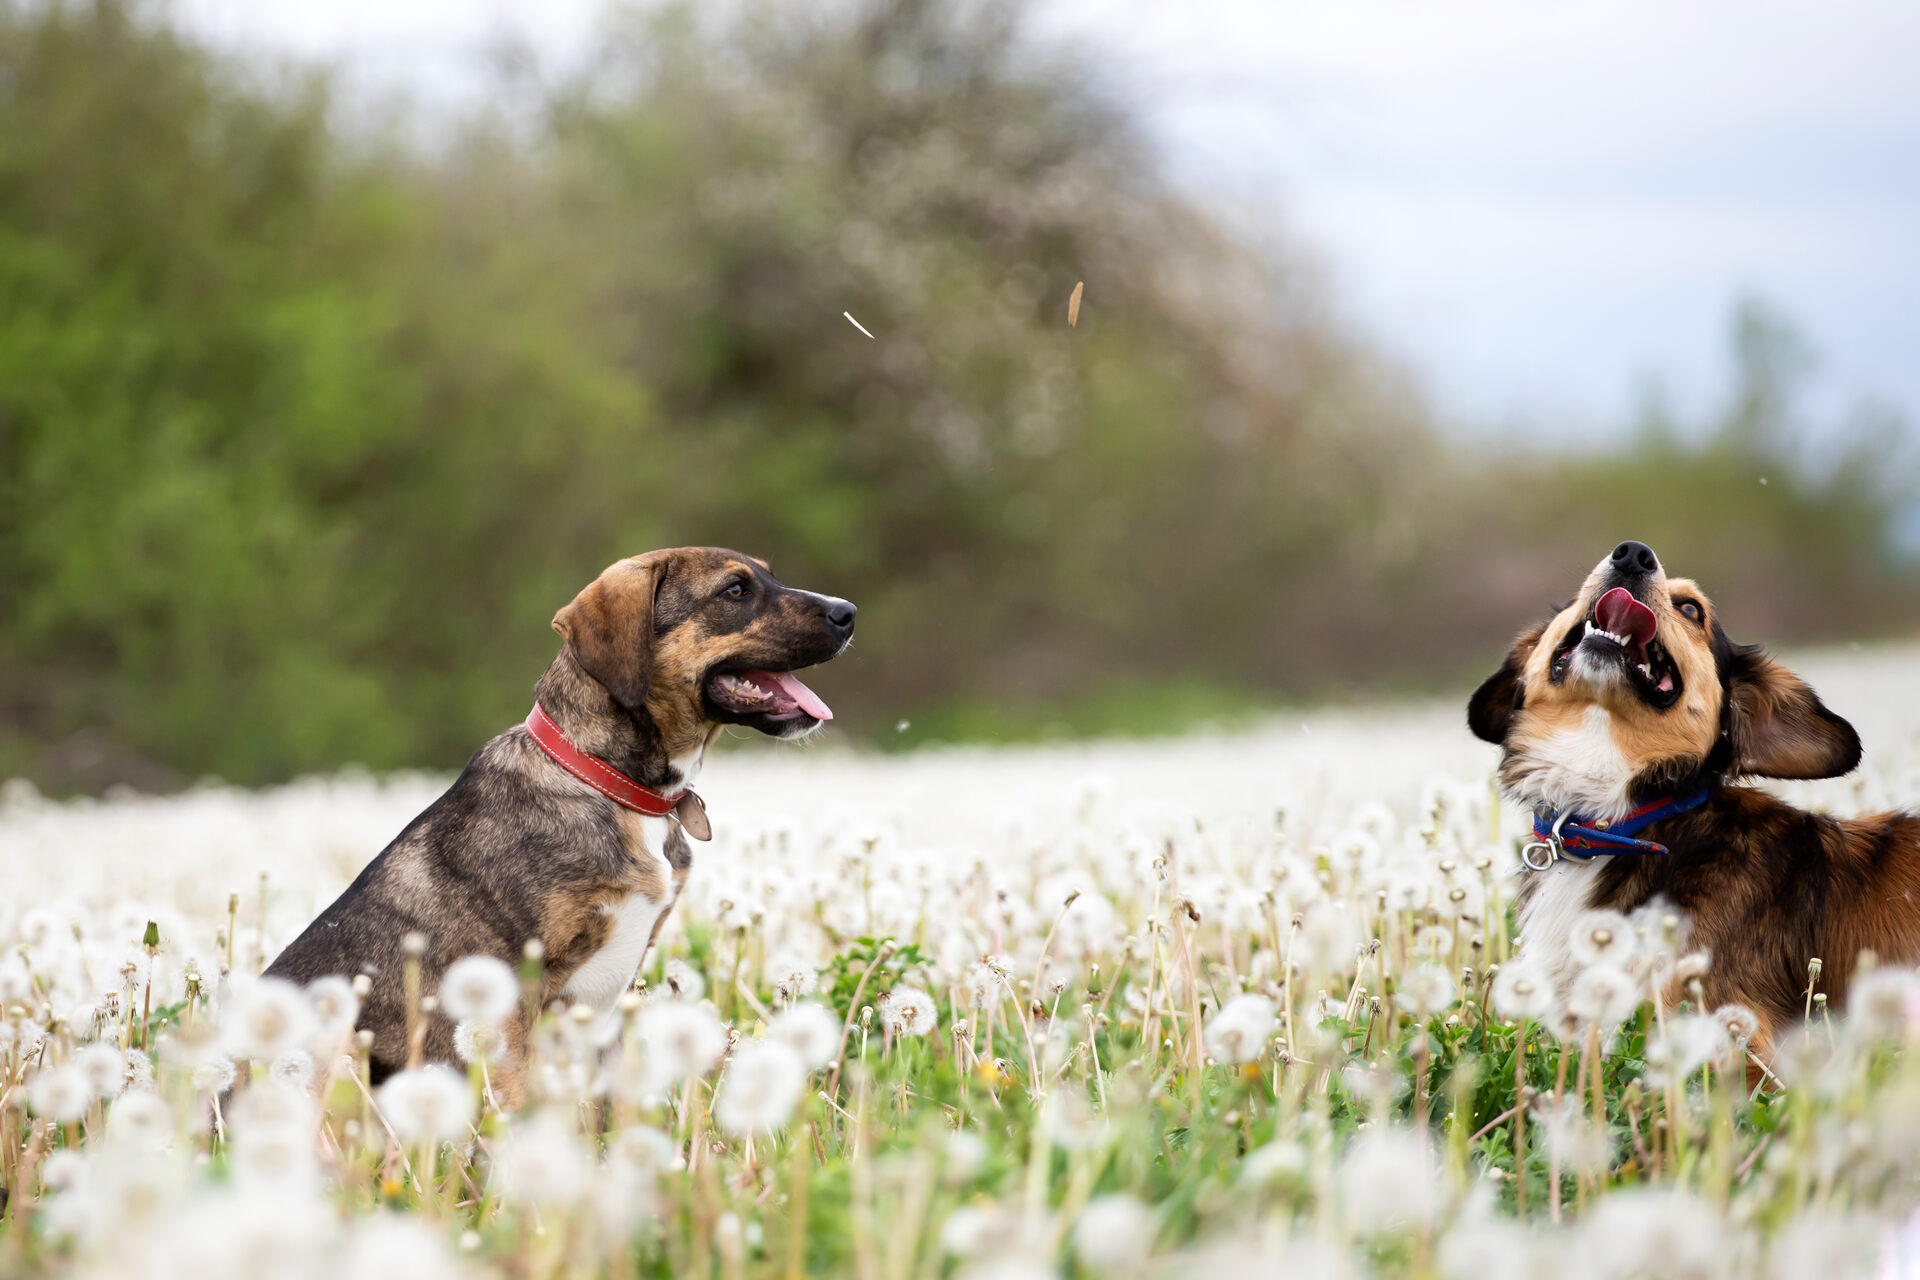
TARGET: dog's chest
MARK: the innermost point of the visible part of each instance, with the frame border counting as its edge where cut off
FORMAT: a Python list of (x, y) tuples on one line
[(1555, 899), (612, 967), (1553, 902)]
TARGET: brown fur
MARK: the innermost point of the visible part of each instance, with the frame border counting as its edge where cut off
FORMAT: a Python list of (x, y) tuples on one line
[(520, 850), (1764, 886)]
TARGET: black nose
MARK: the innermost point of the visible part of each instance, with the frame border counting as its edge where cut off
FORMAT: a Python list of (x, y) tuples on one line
[(1636, 558), (841, 614)]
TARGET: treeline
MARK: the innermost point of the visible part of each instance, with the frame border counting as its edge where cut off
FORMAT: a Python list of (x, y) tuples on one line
[(305, 430)]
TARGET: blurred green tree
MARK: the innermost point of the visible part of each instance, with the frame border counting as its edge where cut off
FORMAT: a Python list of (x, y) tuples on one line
[(305, 430)]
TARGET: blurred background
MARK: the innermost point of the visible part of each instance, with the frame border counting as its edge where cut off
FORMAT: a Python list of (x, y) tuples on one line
[(340, 345)]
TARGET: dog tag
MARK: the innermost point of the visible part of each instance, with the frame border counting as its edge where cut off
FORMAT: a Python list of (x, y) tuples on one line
[(692, 812)]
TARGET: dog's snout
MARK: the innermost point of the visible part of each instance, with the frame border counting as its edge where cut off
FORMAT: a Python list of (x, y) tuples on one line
[(1635, 558), (841, 613)]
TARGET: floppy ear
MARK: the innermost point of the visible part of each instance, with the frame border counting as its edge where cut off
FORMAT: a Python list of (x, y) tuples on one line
[(610, 627), (1778, 725), (1491, 708)]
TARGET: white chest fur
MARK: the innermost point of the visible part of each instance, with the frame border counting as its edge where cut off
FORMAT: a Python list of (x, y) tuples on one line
[(1580, 769), (611, 969), (1559, 895)]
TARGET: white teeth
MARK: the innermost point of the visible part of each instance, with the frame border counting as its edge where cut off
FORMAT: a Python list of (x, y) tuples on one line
[(1596, 631)]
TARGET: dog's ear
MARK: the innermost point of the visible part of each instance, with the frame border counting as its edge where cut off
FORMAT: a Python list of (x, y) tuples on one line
[(1778, 725), (609, 626), (1490, 709)]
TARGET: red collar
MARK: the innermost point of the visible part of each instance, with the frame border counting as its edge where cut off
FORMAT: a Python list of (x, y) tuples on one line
[(598, 774)]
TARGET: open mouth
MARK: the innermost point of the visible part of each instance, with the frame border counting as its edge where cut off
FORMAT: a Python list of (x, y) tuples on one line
[(776, 695), (1621, 626)]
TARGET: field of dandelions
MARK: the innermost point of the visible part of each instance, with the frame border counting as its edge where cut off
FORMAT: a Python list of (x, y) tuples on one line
[(1237, 1002)]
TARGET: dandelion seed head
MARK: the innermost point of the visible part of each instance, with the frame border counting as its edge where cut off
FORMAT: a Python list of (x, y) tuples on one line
[(1602, 937), (909, 1011), (267, 1018), (1113, 1231), (813, 1032), (763, 1083), (427, 1104)]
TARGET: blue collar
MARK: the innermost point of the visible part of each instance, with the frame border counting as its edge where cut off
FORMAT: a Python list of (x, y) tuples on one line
[(1559, 834)]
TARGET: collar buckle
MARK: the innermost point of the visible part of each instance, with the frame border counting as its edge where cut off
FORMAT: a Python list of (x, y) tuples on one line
[(1552, 847)]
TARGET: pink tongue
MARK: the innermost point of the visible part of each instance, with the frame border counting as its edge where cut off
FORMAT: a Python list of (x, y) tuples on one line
[(809, 700), (1621, 614)]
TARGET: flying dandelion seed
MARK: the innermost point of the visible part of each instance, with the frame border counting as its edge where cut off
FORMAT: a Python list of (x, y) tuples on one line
[(855, 323), (1073, 304)]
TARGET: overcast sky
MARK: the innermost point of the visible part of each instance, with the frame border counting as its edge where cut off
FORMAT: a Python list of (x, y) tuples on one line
[(1538, 205)]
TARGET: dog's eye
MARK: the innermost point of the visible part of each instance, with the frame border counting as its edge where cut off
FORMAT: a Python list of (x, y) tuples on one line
[(735, 590), (1691, 609)]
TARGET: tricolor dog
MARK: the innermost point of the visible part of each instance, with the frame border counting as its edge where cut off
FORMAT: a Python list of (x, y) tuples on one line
[(571, 829), (1626, 721)]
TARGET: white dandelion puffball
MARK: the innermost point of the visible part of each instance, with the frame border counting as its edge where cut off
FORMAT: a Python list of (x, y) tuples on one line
[(1389, 1181), (1739, 1022), (909, 1011), (1113, 1231), (480, 990), (1658, 1232), (1604, 996), (1603, 937), (681, 1040), (1238, 1033), (213, 1073), (792, 977), (683, 981), (140, 1122), (1329, 940), (105, 1067), (474, 1043), (61, 1094), (266, 1020), (427, 1104), (1522, 990), (973, 1229), (1879, 1002), (1278, 1161), (763, 1084), (813, 1032), (391, 1245), (293, 1070), (540, 1162), (1427, 989), (335, 1006)]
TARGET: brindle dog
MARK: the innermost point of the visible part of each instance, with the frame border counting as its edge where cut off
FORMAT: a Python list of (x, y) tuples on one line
[(661, 651)]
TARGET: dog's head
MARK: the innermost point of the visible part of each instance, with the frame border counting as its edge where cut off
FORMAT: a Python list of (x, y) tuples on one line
[(698, 637), (1633, 690)]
